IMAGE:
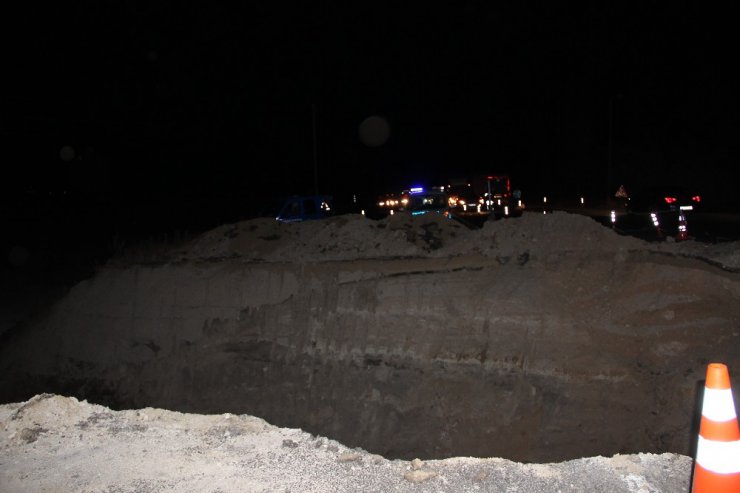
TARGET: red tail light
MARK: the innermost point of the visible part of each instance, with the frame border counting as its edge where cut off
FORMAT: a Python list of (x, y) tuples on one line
[(669, 200), (696, 198)]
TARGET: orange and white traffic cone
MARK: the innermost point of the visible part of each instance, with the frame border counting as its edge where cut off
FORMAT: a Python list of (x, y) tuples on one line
[(717, 466)]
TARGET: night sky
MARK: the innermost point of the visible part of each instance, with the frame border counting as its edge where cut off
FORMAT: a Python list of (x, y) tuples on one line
[(185, 111)]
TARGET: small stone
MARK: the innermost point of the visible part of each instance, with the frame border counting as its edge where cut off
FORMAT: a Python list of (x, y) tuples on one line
[(349, 457), (417, 464), (419, 476)]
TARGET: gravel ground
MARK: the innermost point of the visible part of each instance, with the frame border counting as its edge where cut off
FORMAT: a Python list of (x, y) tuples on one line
[(54, 443)]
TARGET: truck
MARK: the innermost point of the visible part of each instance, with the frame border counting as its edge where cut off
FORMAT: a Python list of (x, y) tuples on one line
[(484, 195)]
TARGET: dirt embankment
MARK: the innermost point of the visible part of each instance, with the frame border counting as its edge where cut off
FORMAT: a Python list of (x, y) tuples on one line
[(543, 338)]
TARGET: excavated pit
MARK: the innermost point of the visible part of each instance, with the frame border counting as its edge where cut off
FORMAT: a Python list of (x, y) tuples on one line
[(536, 339)]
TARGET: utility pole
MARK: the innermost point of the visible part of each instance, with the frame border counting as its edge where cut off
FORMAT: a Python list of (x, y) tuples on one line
[(610, 159), (610, 150), (315, 159)]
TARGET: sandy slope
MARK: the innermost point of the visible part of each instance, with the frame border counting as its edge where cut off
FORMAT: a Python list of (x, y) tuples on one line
[(57, 444)]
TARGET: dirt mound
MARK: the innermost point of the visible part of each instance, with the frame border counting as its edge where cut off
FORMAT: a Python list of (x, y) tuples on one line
[(355, 237), (351, 237), (409, 336)]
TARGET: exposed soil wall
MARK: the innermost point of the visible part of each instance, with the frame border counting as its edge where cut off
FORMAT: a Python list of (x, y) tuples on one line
[(534, 339)]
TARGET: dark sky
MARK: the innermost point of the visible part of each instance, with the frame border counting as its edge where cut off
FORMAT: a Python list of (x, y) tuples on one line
[(136, 101)]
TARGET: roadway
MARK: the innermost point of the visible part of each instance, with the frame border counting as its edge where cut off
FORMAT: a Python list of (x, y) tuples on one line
[(711, 226)]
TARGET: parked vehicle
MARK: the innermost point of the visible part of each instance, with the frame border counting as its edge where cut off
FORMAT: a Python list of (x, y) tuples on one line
[(465, 201), (421, 201), (301, 208), (665, 199), (489, 195), (667, 208)]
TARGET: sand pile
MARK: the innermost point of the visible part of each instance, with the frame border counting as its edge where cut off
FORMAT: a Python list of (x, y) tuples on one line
[(535, 335), (351, 237), (53, 443)]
